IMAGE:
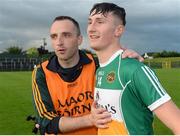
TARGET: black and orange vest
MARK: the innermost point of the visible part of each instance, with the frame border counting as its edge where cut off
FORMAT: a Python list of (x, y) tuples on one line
[(73, 98)]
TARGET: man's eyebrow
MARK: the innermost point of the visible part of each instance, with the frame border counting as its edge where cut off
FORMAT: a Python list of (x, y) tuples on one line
[(53, 34), (66, 32)]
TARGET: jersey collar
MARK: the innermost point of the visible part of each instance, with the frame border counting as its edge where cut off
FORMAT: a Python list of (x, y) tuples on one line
[(54, 66), (117, 53)]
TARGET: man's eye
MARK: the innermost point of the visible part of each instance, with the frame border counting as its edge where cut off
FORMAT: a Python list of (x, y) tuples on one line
[(67, 35), (53, 36)]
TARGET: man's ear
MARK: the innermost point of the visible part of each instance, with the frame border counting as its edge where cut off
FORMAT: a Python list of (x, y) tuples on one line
[(80, 39), (119, 30)]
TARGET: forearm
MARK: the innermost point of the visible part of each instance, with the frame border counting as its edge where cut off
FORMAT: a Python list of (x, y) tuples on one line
[(169, 114), (68, 124), (176, 127)]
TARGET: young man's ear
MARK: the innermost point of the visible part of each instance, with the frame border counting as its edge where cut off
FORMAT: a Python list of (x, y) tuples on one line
[(80, 39), (119, 30)]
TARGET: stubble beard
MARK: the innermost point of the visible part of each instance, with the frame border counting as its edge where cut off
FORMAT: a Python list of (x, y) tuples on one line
[(68, 58)]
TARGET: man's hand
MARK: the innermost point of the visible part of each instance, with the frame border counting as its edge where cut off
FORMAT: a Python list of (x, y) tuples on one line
[(99, 117), (128, 53)]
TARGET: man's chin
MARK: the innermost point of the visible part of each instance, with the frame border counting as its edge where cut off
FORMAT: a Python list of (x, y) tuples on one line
[(61, 57)]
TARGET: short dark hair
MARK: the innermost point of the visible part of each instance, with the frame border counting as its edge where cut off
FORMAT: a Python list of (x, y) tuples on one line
[(104, 8), (59, 18)]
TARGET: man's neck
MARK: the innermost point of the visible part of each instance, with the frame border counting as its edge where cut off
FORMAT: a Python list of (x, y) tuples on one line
[(105, 54), (71, 62)]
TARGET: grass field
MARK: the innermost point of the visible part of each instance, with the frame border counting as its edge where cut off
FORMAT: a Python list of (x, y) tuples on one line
[(16, 100), (170, 79), (15, 103)]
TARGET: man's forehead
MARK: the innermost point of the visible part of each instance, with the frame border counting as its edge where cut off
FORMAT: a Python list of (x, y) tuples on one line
[(63, 25)]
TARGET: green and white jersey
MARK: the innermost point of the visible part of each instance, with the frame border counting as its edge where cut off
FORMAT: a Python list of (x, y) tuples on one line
[(130, 91)]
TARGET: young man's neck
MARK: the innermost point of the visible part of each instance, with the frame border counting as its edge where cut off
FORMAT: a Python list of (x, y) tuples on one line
[(71, 62), (105, 54)]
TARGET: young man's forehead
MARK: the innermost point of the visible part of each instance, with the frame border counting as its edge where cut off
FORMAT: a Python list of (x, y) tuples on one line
[(100, 15)]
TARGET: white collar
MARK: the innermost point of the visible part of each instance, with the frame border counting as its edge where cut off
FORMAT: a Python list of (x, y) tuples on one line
[(119, 52)]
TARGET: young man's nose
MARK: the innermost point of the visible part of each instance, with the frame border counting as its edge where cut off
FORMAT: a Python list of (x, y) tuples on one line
[(91, 28)]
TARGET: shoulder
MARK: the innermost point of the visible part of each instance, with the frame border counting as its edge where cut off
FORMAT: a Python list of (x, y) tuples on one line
[(38, 72), (88, 53), (91, 56), (130, 65)]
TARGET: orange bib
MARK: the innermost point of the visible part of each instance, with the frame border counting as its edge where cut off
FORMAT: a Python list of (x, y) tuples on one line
[(73, 98)]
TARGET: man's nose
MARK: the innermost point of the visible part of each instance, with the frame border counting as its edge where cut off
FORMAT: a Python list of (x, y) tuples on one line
[(60, 41)]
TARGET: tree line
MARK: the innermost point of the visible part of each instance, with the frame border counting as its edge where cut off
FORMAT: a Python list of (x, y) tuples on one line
[(37, 52), (164, 54), (31, 52)]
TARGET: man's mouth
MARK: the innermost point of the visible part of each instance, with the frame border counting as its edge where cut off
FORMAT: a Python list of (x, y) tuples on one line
[(61, 51)]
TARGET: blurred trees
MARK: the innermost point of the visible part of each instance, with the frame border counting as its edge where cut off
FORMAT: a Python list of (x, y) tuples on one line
[(166, 54), (32, 52), (14, 50), (163, 54)]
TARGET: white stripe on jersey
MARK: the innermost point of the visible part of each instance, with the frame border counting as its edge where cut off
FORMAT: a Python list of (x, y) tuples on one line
[(119, 65), (159, 102), (148, 75), (156, 79)]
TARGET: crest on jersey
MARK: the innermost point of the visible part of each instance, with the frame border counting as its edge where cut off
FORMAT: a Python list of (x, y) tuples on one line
[(110, 77)]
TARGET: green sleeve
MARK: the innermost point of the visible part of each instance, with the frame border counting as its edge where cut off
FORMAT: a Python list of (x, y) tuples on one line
[(46, 114), (147, 88)]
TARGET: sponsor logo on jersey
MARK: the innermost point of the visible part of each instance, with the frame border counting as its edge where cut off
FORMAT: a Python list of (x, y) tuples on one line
[(110, 108), (111, 77), (97, 96), (75, 105)]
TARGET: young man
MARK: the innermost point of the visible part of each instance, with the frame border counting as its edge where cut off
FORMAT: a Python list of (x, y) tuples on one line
[(63, 86), (126, 88)]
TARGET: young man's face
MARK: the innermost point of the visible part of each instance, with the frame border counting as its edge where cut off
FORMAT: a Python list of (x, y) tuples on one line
[(101, 30), (64, 38)]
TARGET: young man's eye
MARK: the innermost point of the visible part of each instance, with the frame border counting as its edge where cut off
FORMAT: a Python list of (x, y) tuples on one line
[(100, 22), (89, 22)]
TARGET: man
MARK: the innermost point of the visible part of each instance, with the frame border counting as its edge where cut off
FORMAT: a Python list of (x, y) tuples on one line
[(63, 86), (126, 88)]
